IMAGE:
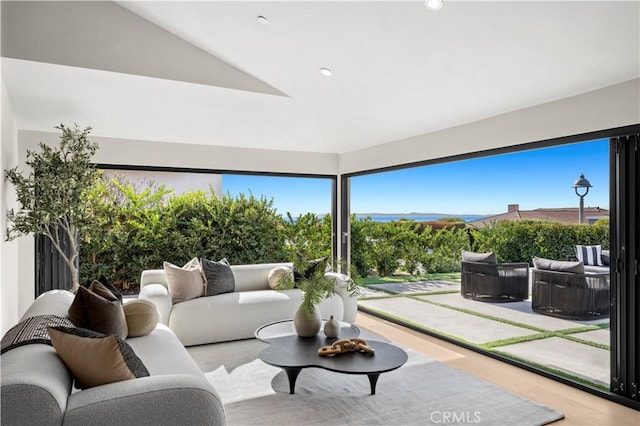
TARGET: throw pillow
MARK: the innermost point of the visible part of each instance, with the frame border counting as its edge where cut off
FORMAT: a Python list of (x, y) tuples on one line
[(95, 359), (105, 282), (589, 255), (558, 265), (218, 277), (184, 283), (142, 317), (278, 274), (605, 256), (96, 308), (469, 256)]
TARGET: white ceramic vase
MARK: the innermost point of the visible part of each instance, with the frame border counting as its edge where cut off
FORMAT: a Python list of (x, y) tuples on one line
[(307, 324), (332, 328)]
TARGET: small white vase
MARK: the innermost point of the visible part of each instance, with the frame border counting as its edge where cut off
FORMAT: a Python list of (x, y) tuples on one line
[(332, 328), (307, 324)]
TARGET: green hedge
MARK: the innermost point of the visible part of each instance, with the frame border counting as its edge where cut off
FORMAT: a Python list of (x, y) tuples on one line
[(406, 245), (520, 241), (139, 229)]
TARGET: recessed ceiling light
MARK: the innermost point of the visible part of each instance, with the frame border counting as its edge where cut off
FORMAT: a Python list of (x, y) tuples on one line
[(326, 72), (433, 4), (263, 20)]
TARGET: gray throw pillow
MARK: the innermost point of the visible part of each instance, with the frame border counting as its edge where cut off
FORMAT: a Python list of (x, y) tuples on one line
[(605, 256), (469, 256), (558, 265), (218, 277)]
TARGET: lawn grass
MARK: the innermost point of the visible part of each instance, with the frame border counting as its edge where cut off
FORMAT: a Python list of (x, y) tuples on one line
[(443, 276)]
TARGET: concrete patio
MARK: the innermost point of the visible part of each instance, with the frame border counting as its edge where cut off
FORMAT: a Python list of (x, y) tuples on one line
[(553, 343)]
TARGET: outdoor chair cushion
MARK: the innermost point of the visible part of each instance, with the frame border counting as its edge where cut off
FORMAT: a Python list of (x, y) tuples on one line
[(558, 265), (469, 256)]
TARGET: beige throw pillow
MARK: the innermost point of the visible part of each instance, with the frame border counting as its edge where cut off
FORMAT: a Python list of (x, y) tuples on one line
[(184, 283), (95, 359), (142, 317)]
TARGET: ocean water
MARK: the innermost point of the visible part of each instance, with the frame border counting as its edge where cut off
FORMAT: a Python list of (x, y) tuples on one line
[(416, 217)]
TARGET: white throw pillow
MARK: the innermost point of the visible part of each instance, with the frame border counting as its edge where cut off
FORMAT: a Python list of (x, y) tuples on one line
[(276, 275), (184, 283)]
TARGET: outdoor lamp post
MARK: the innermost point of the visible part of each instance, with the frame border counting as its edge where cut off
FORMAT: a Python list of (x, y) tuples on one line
[(577, 185)]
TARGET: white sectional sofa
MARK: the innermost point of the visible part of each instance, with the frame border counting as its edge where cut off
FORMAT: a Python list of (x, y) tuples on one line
[(37, 388), (236, 315)]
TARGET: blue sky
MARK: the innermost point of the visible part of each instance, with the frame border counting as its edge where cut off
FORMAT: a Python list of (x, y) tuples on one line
[(532, 179)]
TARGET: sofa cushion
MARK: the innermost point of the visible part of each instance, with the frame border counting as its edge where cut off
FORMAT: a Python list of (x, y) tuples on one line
[(470, 256), (217, 276), (558, 265), (278, 275), (96, 308), (249, 310), (142, 317), (95, 359), (184, 282), (589, 255)]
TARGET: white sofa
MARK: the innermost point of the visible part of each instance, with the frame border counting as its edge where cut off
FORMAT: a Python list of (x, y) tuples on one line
[(37, 387), (236, 315)]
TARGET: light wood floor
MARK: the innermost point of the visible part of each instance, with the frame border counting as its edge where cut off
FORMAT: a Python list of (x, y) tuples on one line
[(580, 408)]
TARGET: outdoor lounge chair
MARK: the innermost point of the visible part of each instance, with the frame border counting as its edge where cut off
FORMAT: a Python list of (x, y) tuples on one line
[(494, 282), (570, 295)]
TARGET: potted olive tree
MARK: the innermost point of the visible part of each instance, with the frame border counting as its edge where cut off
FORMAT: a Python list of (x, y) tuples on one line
[(52, 194)]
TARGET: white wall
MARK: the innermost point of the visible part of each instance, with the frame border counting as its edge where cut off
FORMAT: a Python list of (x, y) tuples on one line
[(610, 107), (178, 182), (9, 280), (164, 154)]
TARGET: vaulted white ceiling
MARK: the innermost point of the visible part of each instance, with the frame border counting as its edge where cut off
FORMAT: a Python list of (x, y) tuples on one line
[(209, 72)]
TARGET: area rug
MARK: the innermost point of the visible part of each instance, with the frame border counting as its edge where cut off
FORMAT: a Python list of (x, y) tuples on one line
[(422, 392)]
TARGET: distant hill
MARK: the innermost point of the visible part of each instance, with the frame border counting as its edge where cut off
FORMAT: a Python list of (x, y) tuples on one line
[(419, 217)]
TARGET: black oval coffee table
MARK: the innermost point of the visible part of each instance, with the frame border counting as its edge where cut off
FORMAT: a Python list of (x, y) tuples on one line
[(292, 353)]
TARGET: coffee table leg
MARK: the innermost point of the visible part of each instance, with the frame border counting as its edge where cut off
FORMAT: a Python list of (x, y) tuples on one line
[(292, 374), (373, 379)]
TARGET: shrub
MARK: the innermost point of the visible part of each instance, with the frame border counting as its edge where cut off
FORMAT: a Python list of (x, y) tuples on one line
[(361, 262), (446, 250), (308, 236), (519, 241), (139, 229)]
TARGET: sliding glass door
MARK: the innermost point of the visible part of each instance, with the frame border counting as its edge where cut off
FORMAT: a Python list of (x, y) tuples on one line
[(625, 271)]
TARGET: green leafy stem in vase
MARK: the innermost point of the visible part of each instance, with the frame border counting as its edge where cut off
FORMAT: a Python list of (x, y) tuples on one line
[(310, 277)]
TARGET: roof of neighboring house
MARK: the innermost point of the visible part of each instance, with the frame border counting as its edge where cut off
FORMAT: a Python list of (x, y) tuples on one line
[(563, 215)]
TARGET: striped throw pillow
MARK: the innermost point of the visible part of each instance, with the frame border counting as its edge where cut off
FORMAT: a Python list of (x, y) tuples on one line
[(589, 255)]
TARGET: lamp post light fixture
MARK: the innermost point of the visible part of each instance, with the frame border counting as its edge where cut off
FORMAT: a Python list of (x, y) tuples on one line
[(578, 185)]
